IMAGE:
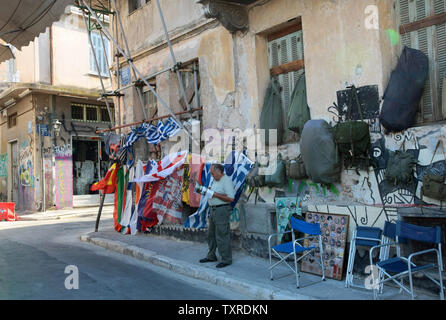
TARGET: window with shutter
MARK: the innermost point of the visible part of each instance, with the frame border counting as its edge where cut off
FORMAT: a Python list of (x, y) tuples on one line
[(430, 38), (283, 51), (101, 54)]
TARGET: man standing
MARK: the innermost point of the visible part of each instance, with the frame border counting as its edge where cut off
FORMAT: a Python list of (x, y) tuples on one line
[(219, 235)]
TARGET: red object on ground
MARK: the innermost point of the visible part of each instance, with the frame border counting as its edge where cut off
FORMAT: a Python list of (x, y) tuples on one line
[(7, 211)]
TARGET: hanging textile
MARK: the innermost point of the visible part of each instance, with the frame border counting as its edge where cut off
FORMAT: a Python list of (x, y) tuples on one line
[(139, 172), (153, 134), (127, 207), (108, 184), (195, 168), (186, 181), (167, 203), (119, 198), (237, 166), (164, 168)]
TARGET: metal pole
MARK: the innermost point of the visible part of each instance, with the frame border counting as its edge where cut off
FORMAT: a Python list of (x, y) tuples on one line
[(138, 90), (196, 87), (101, 204), (173, 56), (163, 103), (146, 120), (118, 76), (97, 63)]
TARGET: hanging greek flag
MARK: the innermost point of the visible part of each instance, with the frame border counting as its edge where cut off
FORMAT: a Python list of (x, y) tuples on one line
[(237, 166), (153, 134)]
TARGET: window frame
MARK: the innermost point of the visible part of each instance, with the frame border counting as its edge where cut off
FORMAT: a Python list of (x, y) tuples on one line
[(12, 117), (99, 110), (134, 8), (99, 51), (291, 70)]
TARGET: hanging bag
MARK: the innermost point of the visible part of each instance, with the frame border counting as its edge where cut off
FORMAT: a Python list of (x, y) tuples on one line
[(400, 167), (254, 179), (353, 137), (295, 169), (278, 178), (404, 91), (271, 117), (433, 184), (299, 112)]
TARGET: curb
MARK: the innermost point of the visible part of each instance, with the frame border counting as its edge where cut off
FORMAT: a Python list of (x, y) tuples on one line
[(65, 216), (215, 277)]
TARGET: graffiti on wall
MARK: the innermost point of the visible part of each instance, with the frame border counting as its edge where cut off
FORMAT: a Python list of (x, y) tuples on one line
[(3, 165), (26, 177), (64, 176), (26, 174)]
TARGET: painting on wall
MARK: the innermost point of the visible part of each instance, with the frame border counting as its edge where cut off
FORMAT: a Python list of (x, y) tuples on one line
[(334, 228), (285, 208)]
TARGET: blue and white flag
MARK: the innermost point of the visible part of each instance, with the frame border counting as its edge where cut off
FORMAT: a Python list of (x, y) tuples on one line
[(237, 166), (153, 134)]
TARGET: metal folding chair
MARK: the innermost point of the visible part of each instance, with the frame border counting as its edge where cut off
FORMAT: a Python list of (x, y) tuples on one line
[(364, 237), (393, 269), (294, 248)]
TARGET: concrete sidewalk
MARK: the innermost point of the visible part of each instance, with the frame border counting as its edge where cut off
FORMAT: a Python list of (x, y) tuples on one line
[(247, 275), (64, 213)]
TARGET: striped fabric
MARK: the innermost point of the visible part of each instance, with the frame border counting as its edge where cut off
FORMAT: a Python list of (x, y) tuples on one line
[(162, 169), (237, 166)]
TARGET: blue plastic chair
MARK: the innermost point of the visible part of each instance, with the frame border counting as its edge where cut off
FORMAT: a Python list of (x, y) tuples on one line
[(392, 269), (364, 237), (293, 248)]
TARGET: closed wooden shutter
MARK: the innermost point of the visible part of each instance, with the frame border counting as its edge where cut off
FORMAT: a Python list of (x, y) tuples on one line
[(432, 42), (101, 54), (282, 51)]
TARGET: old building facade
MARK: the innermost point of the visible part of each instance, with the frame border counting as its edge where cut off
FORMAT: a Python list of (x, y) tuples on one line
[(50, 112)]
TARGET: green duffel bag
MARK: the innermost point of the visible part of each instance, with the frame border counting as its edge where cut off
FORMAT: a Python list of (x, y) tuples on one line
[(278, 178), (433, 185), (353, 137)]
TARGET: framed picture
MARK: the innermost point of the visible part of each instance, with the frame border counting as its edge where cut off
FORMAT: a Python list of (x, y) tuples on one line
[(334, 228)]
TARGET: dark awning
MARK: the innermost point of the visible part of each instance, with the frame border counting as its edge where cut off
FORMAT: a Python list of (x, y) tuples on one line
[(21, 21)]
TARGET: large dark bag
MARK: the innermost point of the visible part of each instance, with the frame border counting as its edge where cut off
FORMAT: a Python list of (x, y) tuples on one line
[(353, 137), (433, 184), (319, 152), (404, 91)]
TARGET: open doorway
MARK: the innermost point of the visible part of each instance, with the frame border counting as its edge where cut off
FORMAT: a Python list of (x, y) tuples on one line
[(89, 166)]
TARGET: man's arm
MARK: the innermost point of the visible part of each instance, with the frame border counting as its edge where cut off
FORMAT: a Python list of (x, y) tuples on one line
[(223, 197)]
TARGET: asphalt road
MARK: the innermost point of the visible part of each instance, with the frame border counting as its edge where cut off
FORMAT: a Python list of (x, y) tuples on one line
[(34, 257)]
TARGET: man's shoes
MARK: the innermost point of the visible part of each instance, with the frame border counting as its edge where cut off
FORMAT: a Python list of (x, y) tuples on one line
[(222, 265), (207, 260)]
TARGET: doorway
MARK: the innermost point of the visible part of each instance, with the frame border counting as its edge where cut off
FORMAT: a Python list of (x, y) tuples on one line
[(89, 166), (13, 186)]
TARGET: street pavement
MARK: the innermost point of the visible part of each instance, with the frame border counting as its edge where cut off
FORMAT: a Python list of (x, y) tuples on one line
[(34, 255), (113, 265)]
